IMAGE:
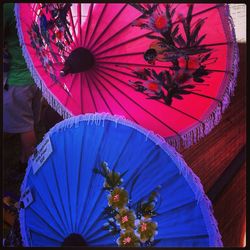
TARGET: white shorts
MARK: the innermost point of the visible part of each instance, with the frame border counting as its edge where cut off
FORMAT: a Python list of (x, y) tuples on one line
[(21, 108)]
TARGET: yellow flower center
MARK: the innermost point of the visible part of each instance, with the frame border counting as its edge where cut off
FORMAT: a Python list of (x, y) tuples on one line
[(116, 198), (126, 240), (124, 219), (160, 22), (143, 227)]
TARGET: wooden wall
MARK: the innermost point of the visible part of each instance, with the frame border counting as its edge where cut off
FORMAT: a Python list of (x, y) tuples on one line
[(213, 154)]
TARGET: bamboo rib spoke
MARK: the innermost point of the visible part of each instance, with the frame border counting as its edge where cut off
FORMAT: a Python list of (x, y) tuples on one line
[(79, 18), (88, 24), (107, 27), (90, 90), (73, 28), (96, 26), (114, 98)]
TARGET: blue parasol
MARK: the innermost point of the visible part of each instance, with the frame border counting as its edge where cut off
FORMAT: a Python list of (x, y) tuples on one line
[(105, 181)]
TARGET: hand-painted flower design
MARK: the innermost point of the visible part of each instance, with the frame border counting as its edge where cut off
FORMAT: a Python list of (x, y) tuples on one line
[(51, 26), (140, 23), (182, 76), (148, 210), (126, 219), (156, 45), (156, 52), (184, 51), (115, 177), (132, 221), (191, 63), (118, 198), (150, 56), (180, 17), (152, 86), (147, 230), (128, 239), (158, 22), (140, 73)]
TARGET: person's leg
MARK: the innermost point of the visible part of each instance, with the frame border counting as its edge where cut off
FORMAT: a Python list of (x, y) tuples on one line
[(19, 118), (37, 103), (28, 139)]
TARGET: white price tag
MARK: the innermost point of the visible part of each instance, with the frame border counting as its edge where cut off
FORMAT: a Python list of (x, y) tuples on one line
[(27, 197), (43, 151)]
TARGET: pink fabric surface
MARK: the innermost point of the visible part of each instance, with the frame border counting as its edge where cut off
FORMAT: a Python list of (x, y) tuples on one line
[(118, 48)]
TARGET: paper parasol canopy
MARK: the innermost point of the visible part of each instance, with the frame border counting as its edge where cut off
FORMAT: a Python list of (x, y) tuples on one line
[(109, 182), (168, 67)]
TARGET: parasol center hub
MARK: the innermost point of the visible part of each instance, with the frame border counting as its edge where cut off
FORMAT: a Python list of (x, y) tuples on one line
[(79, 60), (74, 239)]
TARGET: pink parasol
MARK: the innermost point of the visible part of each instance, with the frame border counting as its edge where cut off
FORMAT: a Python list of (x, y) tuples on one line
[(168, 67)]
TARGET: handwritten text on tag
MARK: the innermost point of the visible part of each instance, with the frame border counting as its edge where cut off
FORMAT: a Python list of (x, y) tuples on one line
[(42, 153)]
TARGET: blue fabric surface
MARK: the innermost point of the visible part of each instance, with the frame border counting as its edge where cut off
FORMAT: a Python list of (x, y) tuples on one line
[(69, 197)]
